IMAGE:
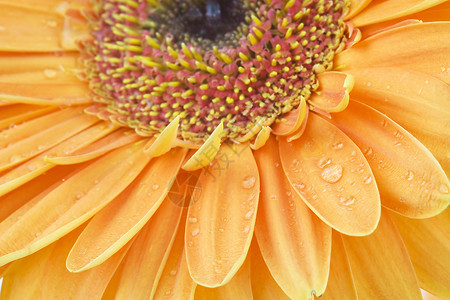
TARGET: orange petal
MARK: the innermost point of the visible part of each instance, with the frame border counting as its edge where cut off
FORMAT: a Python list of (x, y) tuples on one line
[(149, 253), (263, 285), (110, 142), (417, 101), (40, 139), (422, 47), (340, 283), (37, 166), (175, 281), (23, 277), (410, 179), (331, 175), (39, 30), (70, 204), (165, 141), (333, 92), (428, 245), (239, 287), (58, 283), (295, 244), (222, 219), (380, 264), (119, 221), (19, 113), (379, 11), (24, 63), (356, 6), (291, 121)]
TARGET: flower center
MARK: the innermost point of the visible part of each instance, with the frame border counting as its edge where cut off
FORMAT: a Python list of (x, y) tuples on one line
[(242, 63)]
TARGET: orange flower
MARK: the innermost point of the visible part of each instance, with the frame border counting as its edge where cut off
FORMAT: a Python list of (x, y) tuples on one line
[(309, 156)]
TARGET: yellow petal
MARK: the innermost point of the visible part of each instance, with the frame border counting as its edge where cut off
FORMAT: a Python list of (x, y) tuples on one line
[(421, 47), (333, 92), (295, 244), (356, 6), (206, 153), (409, 178), (428, 245), (416, 101), (149, 253), (222, 218), (379, 11), (263, 284), (175, 281), (70, 204), (330, 173), (58, 283), (239, 287), (120, 220), (380, 264), (340, 283)]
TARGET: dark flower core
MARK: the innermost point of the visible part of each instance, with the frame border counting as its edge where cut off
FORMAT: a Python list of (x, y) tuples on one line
[(240, 62)]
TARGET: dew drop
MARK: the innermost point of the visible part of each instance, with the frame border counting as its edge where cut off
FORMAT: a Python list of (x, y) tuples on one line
[(346, 201), (337, 146), (323, 162), (168, 292), (299, 186), (249, 214), (49, 73), (443, 189), (246, 229), (190, 244), (368, 179), (273, 198), (276, 165), (221, 230), (193, 220), (248, 182), (14, 158), (155, 187), (51, 23), (332, 173), (195, 232), (368, 151), (173, 273), (409, 175)]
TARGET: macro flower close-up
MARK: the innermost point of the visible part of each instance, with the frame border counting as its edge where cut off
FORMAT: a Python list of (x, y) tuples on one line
[(224, 149)]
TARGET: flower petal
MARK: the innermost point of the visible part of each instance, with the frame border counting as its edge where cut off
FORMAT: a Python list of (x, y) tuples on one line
[(39, 30), (23, 277), (422, 47), (379, 11), (417, 101), (149, 253), (70, 204), (19, 113), (428, 245), (295, 244), (117, 223), (38, 166), (221, 219), (409, 178), (333, 92), (239, 287), (356, 6), (340, 283), (263, 284), (380, 264), (36, 140), (330, 173), (175, 281), (58, 283)]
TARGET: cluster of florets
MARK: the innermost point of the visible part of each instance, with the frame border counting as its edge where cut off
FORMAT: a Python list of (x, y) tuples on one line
[(144, 74)]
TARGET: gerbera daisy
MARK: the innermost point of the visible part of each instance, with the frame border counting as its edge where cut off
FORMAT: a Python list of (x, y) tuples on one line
[(212, 149)]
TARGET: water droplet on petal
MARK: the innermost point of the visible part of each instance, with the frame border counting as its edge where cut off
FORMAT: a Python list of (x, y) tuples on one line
[(155, 187), (367, 179), (337, 146), (409, 175), (49, 73), (195, 232), (368, 151), (173, 273), (246, 229), (249, 214), (248, 182), (332, 173), (193, 220), (444, 189), (323, 162)]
